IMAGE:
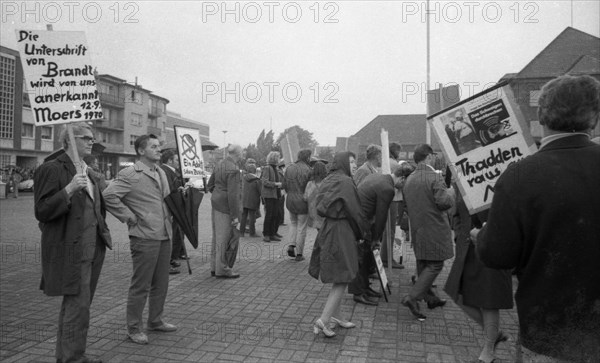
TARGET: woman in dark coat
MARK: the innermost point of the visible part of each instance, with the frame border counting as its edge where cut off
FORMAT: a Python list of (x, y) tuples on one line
[(335, 254), (479, 291)]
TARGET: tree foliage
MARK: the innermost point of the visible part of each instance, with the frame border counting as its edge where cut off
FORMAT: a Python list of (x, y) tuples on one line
[(305, 137)]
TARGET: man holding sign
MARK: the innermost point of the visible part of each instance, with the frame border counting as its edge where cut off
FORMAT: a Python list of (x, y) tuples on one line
[(71, 212)]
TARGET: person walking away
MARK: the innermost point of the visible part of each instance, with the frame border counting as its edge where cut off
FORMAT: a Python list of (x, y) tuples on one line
[(478, 290), (295, 179), (427, 198)]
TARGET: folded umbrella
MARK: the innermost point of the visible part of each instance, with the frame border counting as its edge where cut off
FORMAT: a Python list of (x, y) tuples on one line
[(183, 205)]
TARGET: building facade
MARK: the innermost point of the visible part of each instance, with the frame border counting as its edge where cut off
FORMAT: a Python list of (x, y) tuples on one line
[(129, 111), (21, 143)]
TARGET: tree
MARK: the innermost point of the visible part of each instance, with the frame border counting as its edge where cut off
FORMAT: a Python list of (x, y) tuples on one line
[(326, 153), (259, 151), (305, 138)]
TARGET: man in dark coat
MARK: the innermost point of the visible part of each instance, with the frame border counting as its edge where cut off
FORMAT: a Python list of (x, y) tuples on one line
[(295, 179), (545, 223), (427, 198), (71, 212), (376, 192), (170, 165)]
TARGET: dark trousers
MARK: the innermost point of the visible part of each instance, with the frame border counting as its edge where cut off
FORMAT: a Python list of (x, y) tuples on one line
[(178, 249), (281, 206), (366, 264), (391, 224), (74, 317), (250, 216), (271, 225), (428, 271)]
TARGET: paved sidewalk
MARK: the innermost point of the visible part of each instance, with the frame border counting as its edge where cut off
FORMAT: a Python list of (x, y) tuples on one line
[(265, 315)]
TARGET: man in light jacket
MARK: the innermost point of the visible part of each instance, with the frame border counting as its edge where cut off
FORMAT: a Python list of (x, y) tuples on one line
[(136, 197)]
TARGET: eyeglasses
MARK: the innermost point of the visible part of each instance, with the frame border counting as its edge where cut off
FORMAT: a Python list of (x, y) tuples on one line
[(86, 138)]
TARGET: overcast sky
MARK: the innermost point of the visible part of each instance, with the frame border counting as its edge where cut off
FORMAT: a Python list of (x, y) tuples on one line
[(330, 67)]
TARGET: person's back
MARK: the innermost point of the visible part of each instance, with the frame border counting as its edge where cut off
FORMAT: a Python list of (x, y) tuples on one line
[(545, 223)]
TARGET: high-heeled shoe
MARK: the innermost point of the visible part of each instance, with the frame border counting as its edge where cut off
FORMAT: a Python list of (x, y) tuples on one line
[(319, 326), (502, 337), (343, 324)]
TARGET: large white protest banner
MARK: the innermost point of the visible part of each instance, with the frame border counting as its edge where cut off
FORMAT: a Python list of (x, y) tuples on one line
[(481, 136), (59, 76), (189, 148)]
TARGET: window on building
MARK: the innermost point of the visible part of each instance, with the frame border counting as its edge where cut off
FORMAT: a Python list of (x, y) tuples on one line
[(132, 139), (46, 132), (104, 137), (534, 96), (106, 88), (27, 130), (7, 99), (5, 160), (152, 122), (136, 119), (136, 97)]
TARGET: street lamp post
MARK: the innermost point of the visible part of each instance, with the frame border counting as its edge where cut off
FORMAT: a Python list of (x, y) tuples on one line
[(224, 143)]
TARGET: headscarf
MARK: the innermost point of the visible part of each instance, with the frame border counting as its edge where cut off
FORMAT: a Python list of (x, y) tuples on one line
[(341, 162)]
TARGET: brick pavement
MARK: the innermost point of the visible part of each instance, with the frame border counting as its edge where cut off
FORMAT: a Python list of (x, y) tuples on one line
[(266, 315)]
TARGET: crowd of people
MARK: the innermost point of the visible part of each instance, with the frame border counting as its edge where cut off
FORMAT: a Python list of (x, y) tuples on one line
[(543, 227)]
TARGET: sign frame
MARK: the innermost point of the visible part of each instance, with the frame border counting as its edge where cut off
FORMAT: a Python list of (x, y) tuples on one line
[(191, 160), (494, 135)]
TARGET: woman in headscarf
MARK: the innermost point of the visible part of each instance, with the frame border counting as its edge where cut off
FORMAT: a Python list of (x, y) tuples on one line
[(335, 254)]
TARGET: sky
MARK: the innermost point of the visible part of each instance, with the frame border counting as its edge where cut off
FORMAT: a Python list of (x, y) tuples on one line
[(328, 66)]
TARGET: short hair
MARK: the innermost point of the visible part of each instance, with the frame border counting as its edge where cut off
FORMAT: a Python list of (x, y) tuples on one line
[(167, 156), (273, 158), (78, 128), (250, 161), (395, 149), (421, 152), (373, 152), (304, 155), (234, 149), (569, 103), (142, 141)]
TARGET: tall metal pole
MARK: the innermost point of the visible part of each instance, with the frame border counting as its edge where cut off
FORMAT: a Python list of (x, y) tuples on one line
[(427, 128)]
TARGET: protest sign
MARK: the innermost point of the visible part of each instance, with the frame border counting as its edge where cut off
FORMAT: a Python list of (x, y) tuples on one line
[(59, 76), (189, 149), (290, 147), (481, 136), (381, 274)]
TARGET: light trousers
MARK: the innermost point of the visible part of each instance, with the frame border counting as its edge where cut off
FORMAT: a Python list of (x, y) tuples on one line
[(297, 234), (150, 281)]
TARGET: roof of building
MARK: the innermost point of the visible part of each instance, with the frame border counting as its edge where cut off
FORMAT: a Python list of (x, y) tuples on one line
[(404, 129), (562, 54), (585, 65)]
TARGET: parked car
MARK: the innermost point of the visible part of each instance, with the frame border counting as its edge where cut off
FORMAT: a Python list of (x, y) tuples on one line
[(26, 185)]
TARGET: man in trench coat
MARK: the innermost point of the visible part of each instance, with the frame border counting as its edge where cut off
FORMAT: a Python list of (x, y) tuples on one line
[(71, 212), (427, 199)]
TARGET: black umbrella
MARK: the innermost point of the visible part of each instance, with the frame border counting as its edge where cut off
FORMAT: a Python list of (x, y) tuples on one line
[(183, 205)]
